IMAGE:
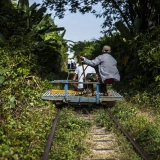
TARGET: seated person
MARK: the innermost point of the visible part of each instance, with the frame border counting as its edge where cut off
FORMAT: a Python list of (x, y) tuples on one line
[(79, 74), (107, 67)]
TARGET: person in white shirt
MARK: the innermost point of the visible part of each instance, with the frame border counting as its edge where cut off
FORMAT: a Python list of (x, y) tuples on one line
[(80, 75), (69, 64)]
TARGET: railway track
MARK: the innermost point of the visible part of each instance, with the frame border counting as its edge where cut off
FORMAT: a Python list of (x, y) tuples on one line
[(102, 142)]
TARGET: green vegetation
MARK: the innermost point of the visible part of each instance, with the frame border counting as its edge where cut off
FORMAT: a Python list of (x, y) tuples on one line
[(33, 52), (23, 134), (142, 126), (69, 137), (30, 44), (136, 15)]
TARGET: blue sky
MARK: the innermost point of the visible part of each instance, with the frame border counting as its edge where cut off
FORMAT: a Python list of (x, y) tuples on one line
[(78, 27)]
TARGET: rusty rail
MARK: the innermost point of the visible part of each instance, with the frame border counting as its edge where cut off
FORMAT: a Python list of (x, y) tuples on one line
[(49, 141), (137, 147)]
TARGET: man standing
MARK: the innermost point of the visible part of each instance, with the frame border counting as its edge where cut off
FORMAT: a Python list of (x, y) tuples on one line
[(69, 64), (107, 67)]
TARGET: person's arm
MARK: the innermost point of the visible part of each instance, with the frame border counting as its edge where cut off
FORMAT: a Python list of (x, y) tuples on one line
[(74, 77), (93, 62)]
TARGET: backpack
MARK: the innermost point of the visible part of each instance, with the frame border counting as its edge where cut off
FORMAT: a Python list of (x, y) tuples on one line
[(91, 77)]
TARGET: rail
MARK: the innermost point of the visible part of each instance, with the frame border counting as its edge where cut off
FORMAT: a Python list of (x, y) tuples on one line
[(49, 141), (136, 146), (51, 135)]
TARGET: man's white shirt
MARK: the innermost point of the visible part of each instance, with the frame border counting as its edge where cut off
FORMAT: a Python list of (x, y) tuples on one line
[(79, 72)]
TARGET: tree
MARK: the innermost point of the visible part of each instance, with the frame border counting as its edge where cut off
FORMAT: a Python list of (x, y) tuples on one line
[(30, 41), (112, 11)]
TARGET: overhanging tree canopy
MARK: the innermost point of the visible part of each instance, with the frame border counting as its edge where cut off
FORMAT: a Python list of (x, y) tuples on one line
[(112, 11)]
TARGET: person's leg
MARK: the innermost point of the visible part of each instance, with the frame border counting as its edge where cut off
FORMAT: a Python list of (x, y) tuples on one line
[(74, 86), (68, 66), (103, 88), (107, 81)]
